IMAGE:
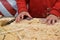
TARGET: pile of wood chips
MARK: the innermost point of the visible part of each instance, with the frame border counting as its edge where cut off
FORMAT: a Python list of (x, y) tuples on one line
[(30, 30)]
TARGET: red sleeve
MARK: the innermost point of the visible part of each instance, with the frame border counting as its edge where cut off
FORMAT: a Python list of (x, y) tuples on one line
[(56, 9), (21, 4)]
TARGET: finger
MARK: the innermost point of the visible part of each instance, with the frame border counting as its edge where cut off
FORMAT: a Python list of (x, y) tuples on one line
[(29, 16), (22, 16), (17, 19), (46, 20), (1, 16), (43, 21), (53, 21), (49, 21), (58, 20)]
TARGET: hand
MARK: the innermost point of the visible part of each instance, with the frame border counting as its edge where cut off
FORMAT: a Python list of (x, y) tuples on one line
[(21, 16), (1, 16), (51, 19)]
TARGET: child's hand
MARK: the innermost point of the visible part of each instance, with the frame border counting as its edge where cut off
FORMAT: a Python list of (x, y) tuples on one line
[(21, 16), (51, 19), (1, 16)]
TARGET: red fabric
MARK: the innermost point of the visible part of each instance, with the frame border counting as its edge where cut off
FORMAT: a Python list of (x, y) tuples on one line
[(38, 8), (21, 4)]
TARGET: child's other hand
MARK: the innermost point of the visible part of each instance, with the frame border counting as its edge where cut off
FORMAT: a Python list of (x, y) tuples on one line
[(51, 19)]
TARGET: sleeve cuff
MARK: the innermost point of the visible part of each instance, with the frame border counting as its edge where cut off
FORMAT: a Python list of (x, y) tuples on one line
[(55, 12), (22, 9)]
